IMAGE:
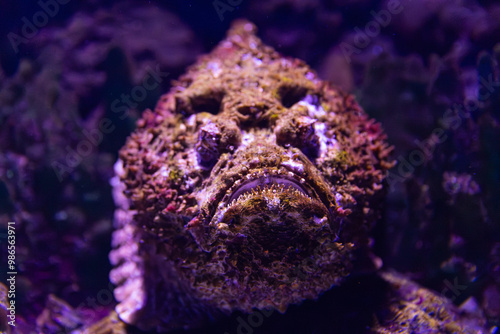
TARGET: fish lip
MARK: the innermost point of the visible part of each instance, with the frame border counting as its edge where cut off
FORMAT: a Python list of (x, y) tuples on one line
[(265, 177), (262, 182), (282, 174), (207, 225)]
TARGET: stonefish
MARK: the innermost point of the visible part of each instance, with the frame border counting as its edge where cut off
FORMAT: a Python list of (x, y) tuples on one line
[(251, 185)]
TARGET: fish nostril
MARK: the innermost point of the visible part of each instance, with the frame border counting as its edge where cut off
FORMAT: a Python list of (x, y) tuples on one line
[(251, 110), (253, 115)]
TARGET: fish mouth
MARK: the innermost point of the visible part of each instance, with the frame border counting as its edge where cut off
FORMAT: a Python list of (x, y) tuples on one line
[(271, 215), (265, 192), (280, 195), (265, 183)]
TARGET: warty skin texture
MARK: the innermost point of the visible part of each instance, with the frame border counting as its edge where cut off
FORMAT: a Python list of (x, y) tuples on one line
[(253, 184)]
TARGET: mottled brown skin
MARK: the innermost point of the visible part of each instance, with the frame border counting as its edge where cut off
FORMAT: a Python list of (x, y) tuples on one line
[(247, 170)]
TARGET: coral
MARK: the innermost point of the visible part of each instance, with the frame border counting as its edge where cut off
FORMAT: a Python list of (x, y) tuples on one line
[(55, 162), (58, 316), (440, 215)]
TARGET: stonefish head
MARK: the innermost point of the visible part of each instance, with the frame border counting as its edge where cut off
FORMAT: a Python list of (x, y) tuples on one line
[(250, 185)]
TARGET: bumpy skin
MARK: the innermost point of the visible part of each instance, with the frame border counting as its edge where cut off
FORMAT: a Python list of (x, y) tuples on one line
[(249, 173)]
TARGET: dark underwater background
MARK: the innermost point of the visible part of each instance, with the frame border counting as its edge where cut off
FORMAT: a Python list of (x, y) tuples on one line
[(428, 72)]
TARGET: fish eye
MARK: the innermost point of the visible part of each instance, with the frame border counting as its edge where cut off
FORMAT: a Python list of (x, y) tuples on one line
[(298, 132), (215, 138)]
